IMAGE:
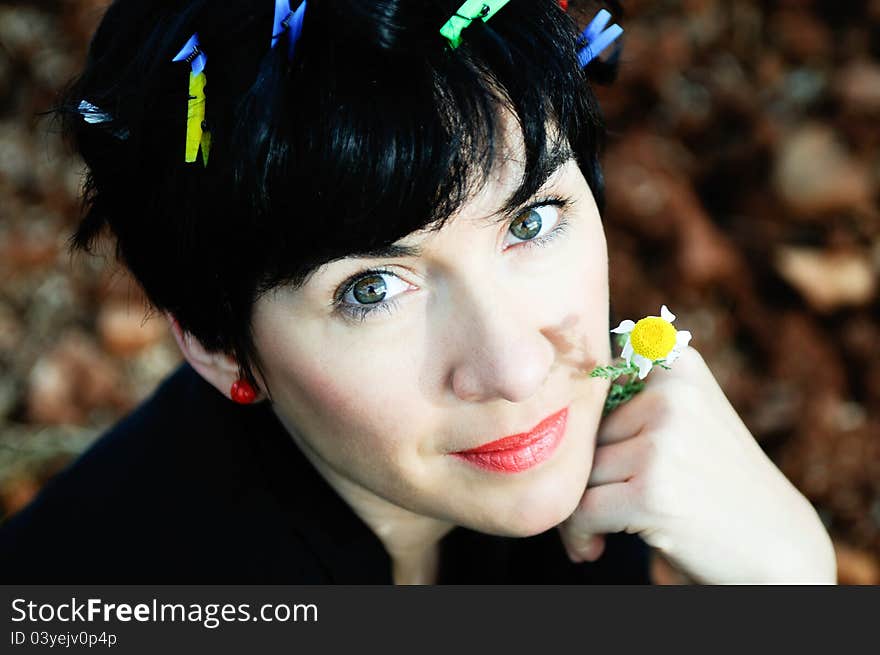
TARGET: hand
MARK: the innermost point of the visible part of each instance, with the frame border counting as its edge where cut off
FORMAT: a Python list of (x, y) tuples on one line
[(678, 467)]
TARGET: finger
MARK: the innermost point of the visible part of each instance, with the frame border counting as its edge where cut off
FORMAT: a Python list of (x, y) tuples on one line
[(586, 548), (616, 462), (589, 551), (627, 420), (607, 508), (690, 366), (631, 417), (695, 368)]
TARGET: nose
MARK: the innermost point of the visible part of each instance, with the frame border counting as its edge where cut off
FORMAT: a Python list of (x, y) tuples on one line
[(503, 352)]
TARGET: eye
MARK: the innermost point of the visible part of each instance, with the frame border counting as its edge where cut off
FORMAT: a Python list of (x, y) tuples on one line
[(538, 224), (375, 290), (370, 291)]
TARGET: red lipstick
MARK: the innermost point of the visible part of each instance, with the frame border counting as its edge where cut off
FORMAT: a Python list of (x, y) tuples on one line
[(519, 452)]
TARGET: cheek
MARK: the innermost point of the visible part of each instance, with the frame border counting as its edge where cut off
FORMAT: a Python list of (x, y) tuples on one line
[(582, 335), (341, 399)]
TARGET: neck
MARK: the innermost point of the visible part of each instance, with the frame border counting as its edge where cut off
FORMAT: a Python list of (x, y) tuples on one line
[(419, 571), (411, 540)]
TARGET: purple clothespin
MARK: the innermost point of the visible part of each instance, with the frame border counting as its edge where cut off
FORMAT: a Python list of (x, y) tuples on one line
[(287, 19), (598, 37)]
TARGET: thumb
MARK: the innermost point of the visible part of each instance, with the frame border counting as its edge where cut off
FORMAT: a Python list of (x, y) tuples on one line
[(611, 507), (582, 547)]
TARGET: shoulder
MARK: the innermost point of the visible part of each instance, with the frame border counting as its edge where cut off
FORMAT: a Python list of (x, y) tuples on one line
[(173, 492)]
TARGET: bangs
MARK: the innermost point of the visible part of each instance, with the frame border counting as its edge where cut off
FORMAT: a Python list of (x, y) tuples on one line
[(351, 158)]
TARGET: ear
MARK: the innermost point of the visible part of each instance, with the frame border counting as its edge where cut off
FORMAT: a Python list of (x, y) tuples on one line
[(219, 369)]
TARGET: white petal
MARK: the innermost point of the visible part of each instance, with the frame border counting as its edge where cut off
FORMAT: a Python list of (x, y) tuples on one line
[(682, 338), (627, 351), (666, 315), (624, 327), (644, 365)]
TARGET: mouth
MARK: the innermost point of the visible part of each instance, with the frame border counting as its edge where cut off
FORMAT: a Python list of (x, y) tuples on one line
[(519, 452)]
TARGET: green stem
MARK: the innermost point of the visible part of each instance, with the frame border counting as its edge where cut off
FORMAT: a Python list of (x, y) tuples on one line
[(621, 392)]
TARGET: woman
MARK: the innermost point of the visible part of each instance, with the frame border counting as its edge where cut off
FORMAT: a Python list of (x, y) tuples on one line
[(381, 253)]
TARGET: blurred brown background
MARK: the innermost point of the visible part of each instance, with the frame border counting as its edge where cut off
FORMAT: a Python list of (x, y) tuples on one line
[(743, 172)]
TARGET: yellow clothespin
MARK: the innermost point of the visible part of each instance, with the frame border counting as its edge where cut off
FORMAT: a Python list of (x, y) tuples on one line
[(196, 135)]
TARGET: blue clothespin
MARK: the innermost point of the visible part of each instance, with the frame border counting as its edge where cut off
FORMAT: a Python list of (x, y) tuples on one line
[(598, 37), (192, 53), (287, 19)]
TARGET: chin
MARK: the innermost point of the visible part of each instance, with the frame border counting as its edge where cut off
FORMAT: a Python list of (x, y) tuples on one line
[(555, 495), (540, 507)]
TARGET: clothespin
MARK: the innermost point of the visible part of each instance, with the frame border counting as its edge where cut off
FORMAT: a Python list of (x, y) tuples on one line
[(196, 134), (286, 19), (470, 11), (94, 115), (597, 37)]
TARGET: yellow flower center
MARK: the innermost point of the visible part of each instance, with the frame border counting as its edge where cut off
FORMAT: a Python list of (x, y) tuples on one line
[(653, 338)]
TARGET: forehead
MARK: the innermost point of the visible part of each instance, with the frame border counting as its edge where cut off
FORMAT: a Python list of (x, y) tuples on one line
[(490, 203), (507, 174)]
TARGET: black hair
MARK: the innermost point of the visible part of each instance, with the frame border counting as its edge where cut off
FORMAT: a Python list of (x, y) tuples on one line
[(375, 129)]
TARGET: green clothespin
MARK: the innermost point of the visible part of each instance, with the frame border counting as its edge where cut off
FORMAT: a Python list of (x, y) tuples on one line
[(468, 13)]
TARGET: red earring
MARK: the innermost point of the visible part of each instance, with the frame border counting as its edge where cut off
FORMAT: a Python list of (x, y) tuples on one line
[(242, 392)]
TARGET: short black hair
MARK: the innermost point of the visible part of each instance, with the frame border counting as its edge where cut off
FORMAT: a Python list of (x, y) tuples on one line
[(375, 129)]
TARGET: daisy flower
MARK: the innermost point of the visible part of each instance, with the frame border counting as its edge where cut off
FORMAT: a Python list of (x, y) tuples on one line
[(652, 340)]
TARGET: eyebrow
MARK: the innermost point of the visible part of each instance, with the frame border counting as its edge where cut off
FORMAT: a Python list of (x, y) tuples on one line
[(396, 251), (387, 252)]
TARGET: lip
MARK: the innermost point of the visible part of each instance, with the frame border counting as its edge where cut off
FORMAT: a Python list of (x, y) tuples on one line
[(519, 452)]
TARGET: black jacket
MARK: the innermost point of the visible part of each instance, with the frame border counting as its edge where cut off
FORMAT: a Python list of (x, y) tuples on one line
[(191, 488)]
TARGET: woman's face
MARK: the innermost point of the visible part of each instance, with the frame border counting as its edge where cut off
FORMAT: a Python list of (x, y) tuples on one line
[(491, 328)]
